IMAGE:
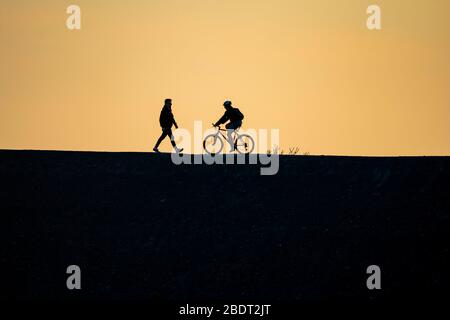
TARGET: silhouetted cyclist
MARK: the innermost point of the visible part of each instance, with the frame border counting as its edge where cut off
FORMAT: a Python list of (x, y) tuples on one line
[(235, 116), (166, 120)]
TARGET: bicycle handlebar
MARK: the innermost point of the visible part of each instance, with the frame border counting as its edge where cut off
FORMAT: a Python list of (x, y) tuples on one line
[(219, 127)]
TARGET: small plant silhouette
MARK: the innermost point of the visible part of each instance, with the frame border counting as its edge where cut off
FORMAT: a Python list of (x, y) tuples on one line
[(292, 151), (276, 150)]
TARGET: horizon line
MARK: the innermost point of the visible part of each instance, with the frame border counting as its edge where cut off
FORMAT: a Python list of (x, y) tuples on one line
[(234, 154)]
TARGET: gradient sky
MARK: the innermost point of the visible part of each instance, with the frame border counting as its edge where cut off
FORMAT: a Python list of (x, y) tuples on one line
[(308, 67)]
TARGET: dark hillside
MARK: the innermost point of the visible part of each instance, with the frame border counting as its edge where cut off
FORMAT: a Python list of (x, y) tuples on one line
[(142, 227)]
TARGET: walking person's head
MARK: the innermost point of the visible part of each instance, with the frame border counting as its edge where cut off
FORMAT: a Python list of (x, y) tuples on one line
[(227, 104), (168, 103)]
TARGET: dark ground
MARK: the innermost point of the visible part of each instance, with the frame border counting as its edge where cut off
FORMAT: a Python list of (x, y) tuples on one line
[(142, 228)]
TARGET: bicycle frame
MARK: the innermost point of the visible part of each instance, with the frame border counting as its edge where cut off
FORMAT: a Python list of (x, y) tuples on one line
[(246, 140), (219, 132)]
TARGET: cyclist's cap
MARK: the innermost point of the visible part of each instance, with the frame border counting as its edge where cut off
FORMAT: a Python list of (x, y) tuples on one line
[(227, 103)]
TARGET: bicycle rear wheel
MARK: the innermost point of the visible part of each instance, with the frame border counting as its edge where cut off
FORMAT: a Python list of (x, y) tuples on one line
[(212, 144), (245, 144)]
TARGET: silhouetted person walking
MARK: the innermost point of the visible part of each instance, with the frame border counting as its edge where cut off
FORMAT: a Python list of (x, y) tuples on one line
[(166, 120), (235, 116)]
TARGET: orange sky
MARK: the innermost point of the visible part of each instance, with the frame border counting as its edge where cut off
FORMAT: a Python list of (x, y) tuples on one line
[(308, 67)]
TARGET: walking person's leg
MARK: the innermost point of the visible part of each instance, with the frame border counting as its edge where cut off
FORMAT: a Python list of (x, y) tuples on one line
[(172, 138), (161, 138), (172, 141)]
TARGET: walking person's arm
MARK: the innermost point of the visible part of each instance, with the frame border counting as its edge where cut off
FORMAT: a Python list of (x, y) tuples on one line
[(175, 123)]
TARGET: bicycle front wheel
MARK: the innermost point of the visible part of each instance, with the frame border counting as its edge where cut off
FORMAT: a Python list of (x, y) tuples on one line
[(212, 144), (245, 144)]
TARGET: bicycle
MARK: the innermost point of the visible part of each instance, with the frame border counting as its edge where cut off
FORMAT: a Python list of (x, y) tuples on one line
[(214, 142)]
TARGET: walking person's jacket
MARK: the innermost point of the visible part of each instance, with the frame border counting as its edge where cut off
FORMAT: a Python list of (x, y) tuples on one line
[(166, 118)]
